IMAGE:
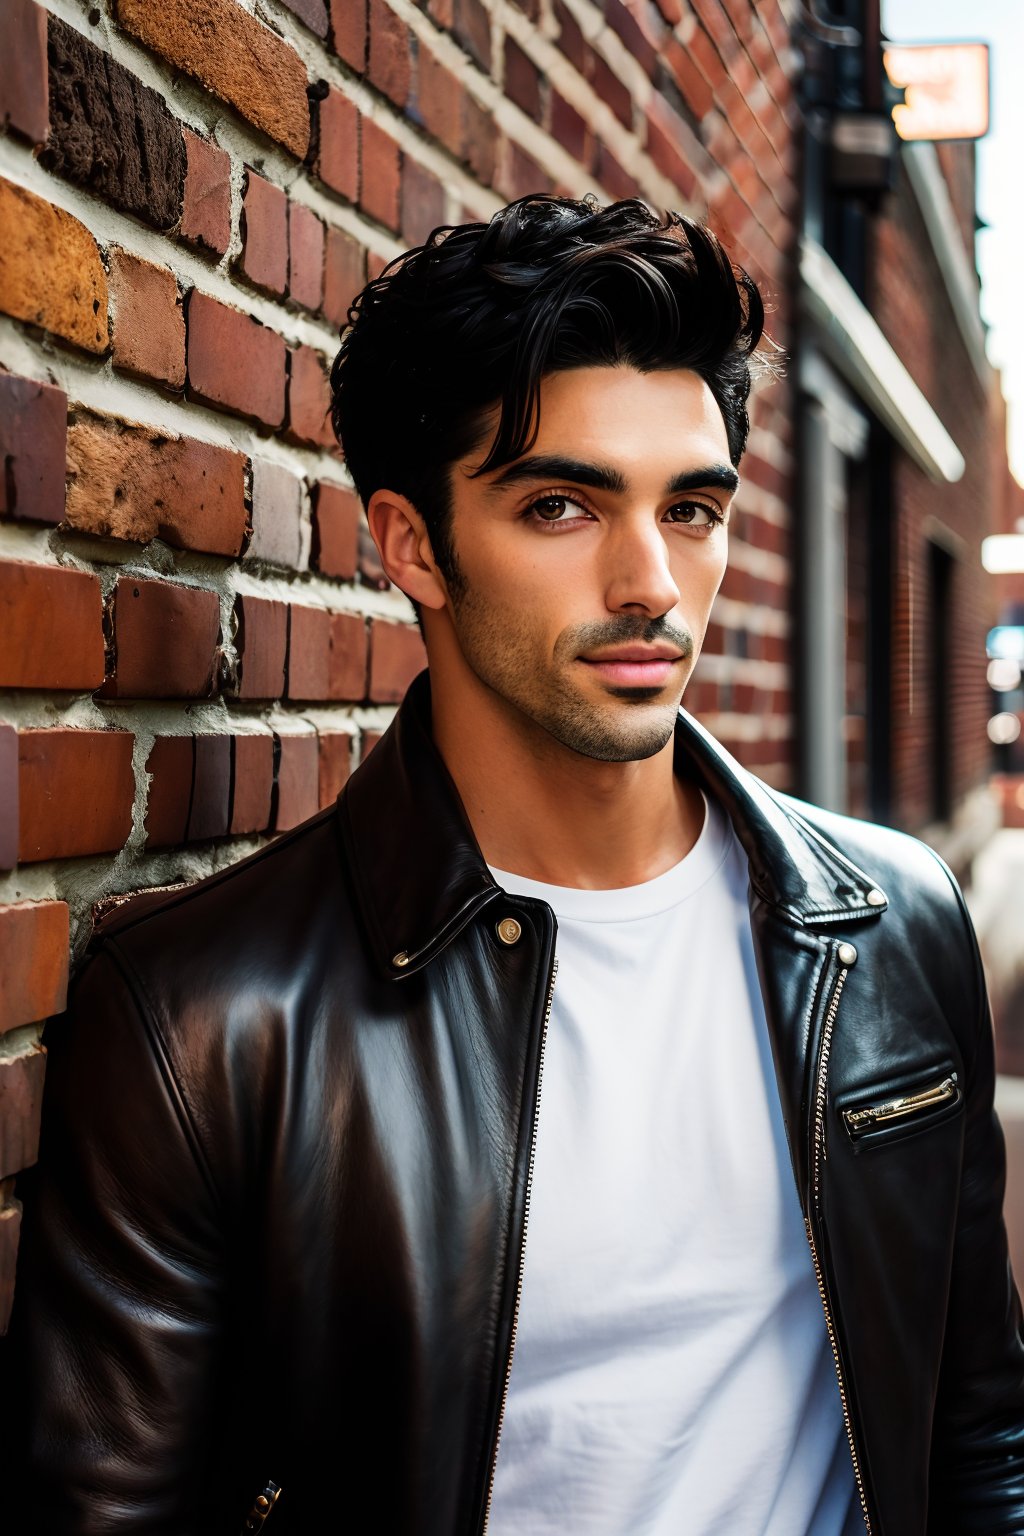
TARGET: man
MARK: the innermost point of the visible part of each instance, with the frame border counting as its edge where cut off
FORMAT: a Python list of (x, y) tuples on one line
[(313, 1245)]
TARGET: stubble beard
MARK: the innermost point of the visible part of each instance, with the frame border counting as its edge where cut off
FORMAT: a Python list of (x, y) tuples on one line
[(634, 723)]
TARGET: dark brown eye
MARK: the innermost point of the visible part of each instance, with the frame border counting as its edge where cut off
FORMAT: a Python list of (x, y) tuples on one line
[(550, 508)]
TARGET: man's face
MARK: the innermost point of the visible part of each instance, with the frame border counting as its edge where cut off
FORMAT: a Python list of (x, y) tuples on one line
[(587, 568)]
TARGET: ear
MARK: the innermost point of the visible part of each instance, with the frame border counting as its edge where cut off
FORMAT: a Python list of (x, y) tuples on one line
[(403, 544)]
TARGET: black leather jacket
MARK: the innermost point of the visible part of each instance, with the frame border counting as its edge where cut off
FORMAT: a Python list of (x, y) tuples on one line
[(279, 1217)]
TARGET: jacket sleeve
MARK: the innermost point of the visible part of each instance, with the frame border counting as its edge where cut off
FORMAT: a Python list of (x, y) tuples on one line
[(978, 1445), (120, 1283)]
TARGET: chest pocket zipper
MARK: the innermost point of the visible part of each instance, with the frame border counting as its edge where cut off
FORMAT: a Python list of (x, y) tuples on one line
[(903, 1109)]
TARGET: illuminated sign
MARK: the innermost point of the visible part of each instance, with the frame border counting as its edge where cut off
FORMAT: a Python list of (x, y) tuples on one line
[(945, 87)]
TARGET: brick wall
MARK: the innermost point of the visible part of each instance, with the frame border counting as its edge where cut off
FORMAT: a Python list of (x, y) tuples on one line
[(198, 644), (912, 306)]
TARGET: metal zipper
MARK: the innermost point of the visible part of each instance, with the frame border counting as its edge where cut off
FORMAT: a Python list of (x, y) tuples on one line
[(859, 1121), (818, 1154), (522, 1251)]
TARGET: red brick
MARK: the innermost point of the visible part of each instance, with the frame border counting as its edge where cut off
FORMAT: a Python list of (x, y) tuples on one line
[(627, 26), (368, 741), (209, 811), (569, 129), (380, 176), (522, 79), (165, 640), (252, 784), (33, 449), (423, 202), (312, 12), (276, 514), (262, 645), (8, 797), (170, 791), (234, 361), (335, 751), (570, 38), (148, 327), (34, 942), (349, 31), (264, 230), (51, 275), (613, 175), (206, 219), (298, 781), (76, 789), (348, 657), (51, 620), (309, 399), (344, 275), (479, 140), (128, 482), (233, 55), (309, 652), (335, 531), (438, 100), (396, 656), (518, 173), (609, 87), (305, 256), (663, 139), (338, 158), (390, 49), (471, 24), (21, 1101), (10, 1231), (24, 98)]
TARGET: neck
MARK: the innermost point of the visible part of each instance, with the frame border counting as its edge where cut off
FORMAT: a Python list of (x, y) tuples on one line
[(540, 810)]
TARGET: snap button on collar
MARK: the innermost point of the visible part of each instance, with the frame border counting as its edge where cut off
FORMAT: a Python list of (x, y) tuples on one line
[(508, 930), (847, 954), (875, 898)]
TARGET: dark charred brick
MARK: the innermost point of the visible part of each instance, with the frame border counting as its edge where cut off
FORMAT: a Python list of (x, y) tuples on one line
[(110, 133)]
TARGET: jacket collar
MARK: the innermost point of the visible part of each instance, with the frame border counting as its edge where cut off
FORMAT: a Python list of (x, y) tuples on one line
[(421, 877)]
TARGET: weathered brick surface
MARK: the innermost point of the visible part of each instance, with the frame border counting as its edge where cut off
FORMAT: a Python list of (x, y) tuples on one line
[(8, 796), (147, 323), (335, 531), (305, 256), (76, 789), (126, 482), (234, 361), (262, 645), (21, 1101), (265, 234), (165, 640), (52, 276), (298, 781), (338, 157), (33, 961), (253, 783), (276, 514), (234, 56), (396, 655), (51, 621), (206, 214), (23, 84), (33, 448), (96, 104)]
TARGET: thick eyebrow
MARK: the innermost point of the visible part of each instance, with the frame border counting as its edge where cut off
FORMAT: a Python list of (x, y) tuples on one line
[(604, 477)]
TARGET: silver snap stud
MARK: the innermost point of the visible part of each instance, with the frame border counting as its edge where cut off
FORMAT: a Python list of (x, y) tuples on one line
[(847, 954), (509, 931), (401, 958), (875, 898)]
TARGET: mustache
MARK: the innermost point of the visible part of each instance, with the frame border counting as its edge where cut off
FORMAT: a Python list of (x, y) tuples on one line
[(625, 629)]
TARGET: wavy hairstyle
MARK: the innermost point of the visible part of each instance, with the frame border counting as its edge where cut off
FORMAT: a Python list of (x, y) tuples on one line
[(450, 343)]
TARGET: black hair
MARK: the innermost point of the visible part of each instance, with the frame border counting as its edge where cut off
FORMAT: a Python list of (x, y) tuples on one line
[(452, 340)]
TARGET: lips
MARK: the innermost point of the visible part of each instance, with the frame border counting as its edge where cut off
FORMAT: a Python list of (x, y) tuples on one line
[(635, 666)]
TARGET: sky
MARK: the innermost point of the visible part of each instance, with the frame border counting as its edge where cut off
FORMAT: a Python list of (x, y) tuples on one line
[(1000, 23)]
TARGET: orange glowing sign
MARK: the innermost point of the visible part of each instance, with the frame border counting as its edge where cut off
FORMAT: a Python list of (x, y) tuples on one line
[(946, 86)]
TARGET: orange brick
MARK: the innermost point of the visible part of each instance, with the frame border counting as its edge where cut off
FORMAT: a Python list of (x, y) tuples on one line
[(233, 55), (148, 326), (396, 656), (234, 361), (34, 942), (76, 790), (51, 620), (127, 482), (50, 270)]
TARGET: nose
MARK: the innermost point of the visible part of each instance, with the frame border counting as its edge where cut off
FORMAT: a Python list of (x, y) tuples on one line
[(639, 575)]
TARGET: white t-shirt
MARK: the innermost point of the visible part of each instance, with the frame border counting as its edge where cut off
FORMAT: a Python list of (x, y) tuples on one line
[(672, 1374)]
